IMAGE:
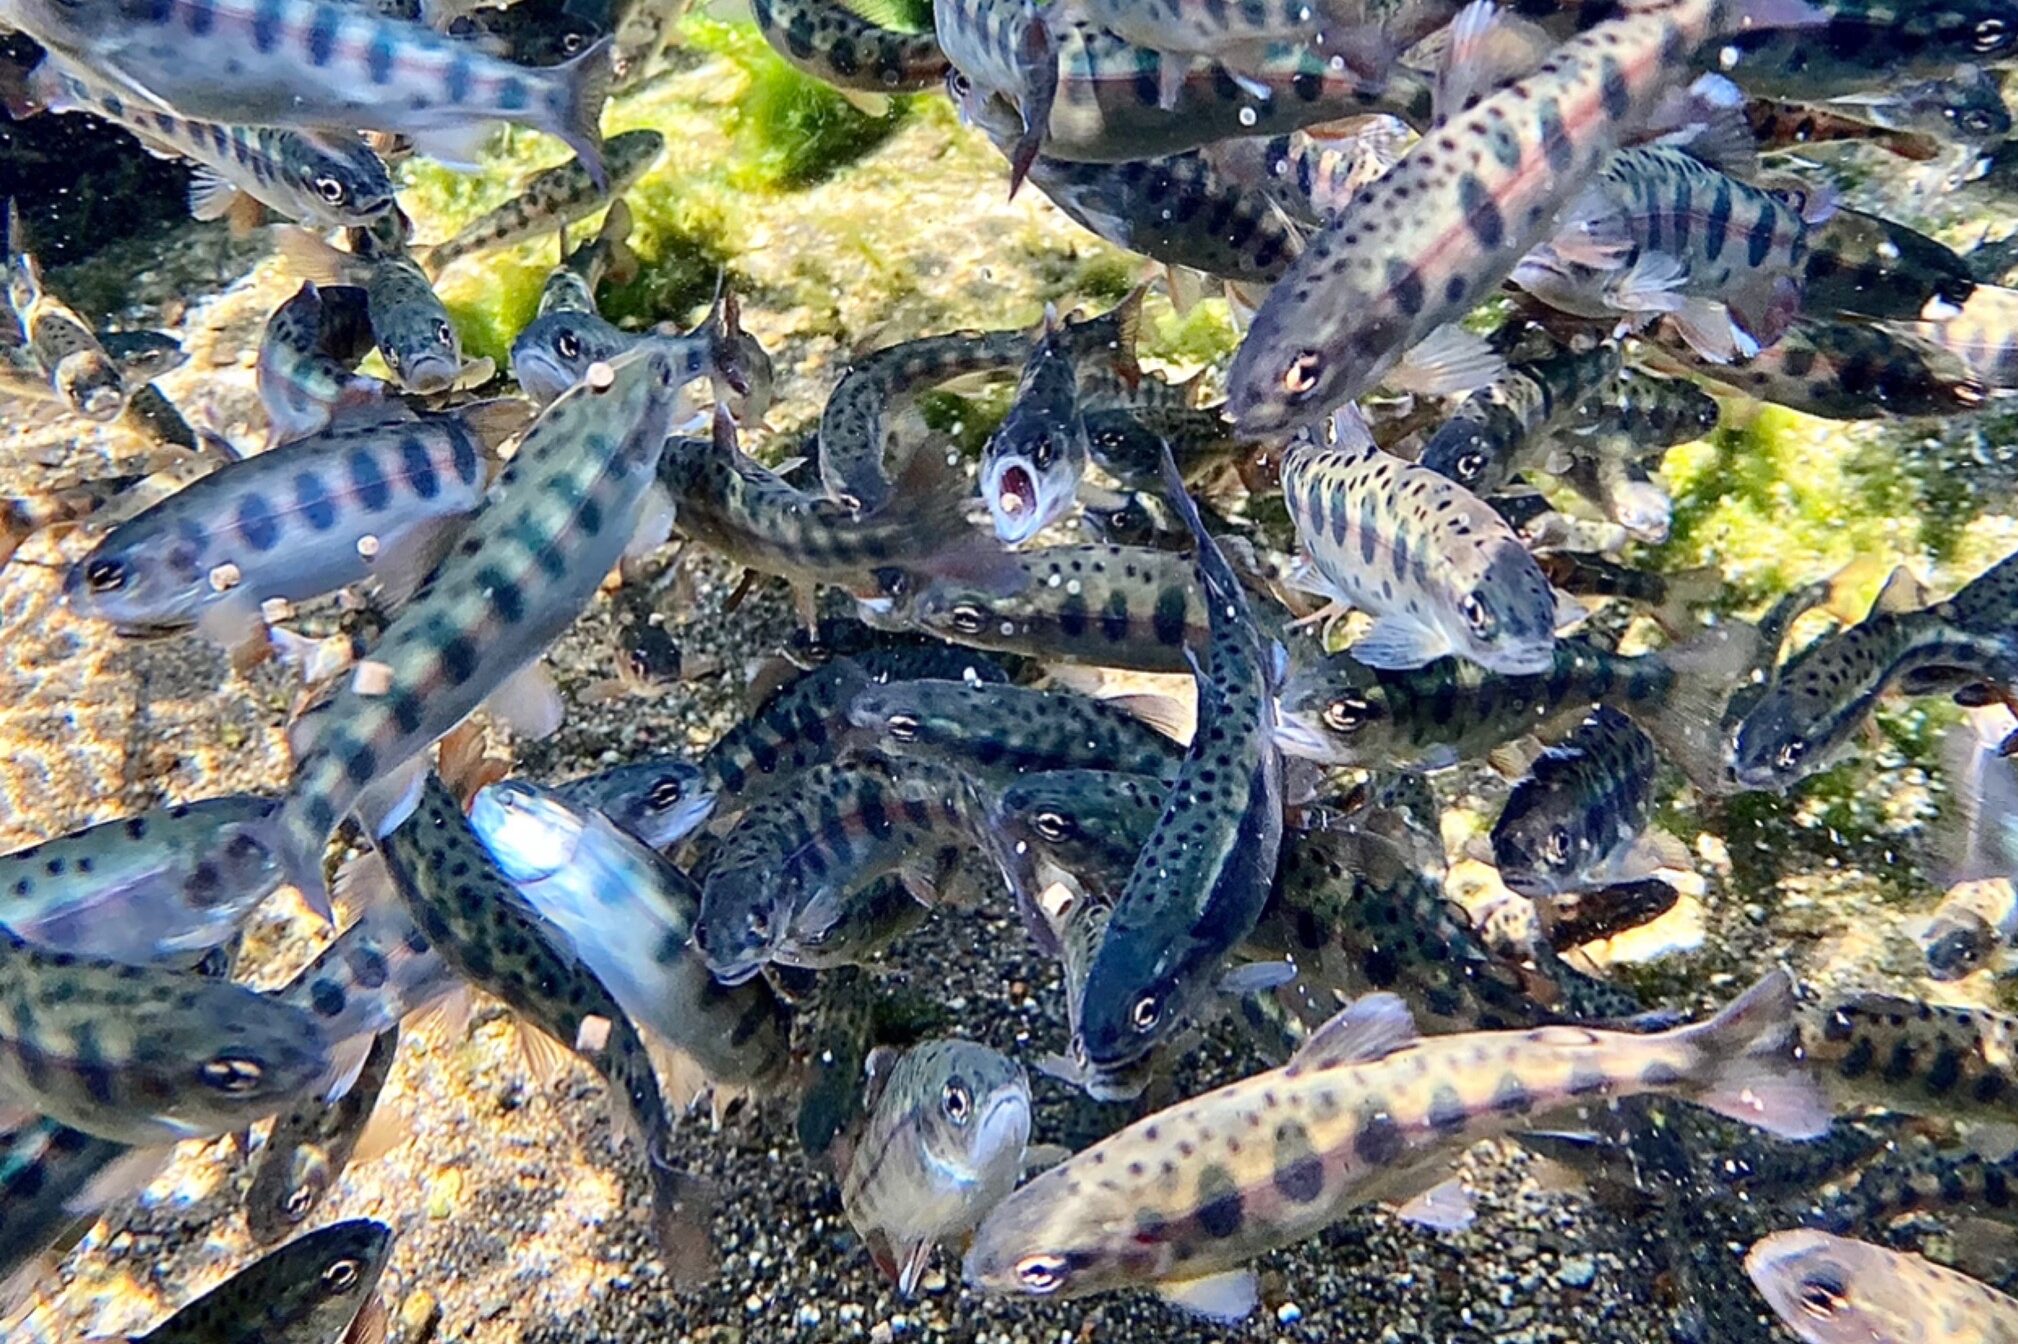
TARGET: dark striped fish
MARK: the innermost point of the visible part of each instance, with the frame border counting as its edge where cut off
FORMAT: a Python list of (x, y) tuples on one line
[(416, 338), (1841, 371), (1504, 426), (1863, 45), (661, 800), (1783, 125), (307, 356), (1902, 1054), (1861, 265)]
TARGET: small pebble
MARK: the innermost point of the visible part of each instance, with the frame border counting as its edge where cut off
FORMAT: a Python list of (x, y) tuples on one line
[(1577, 1272)]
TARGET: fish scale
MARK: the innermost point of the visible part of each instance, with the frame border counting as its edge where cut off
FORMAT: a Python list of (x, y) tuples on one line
[(321, 65), (483, 928), (1367, 1111), (1199, 884), (1421, 245), (551, 527), (1435, 566), (307, 1292)]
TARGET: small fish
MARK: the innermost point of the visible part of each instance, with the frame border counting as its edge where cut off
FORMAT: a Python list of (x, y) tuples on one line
[(372, 976), (630, 916), (1504, 426), (156, 887), (741, 509), (1656, 231), (307, 1292), (1625, 491), (1669, 598), (1861, 45), (1984, 334), (1782, 125), (832, 1033), (805, 722), (1826, 691), (308, 355), (1421, 245), (552, 526), (661, 800), (1430, 561), (1832, 1290), (483, 928), (64, 508), (316, 66), (839, 45), (1100, 604), (53, 1178), (309, 1147), (356, 502), (1841, 371), (571, 286), (1572, 919), (1234, 36), (555, 352), (1337, 711), (1952, 1182), (857, 423), (795, 855), (63, 345), (1088, 824), (1640, 413), (1031, 464), (1577, 819), (943, 1145), (1861, 265), (1367, 1110), (416, 338), (1127, 442), (144, 1055), (1199, 884), (1902, 1054), (322, 179), (1002, 731), (552, 199), (857, 925), (1967, 108)]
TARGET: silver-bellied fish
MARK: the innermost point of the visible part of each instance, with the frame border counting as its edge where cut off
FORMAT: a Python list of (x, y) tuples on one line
[(1368, 1110), (322, 66), (359, 501), (661, 800), (1833, 1290), (1841, 371), (1431, 562), (550, 354), (1822, 694), (309, 1147), (630, 916), (1420, 246), (556, 521), (155, 887), (944, 1144), (480, 925), (63, 345), (741, 509), (1003, 731), (416, 338), (1578, 819), (1863, 45), (310, 1291), (307, 356), (53, 1178), (144, 1055), (834, 43), (1504, 426), (330, 180), (1203, 875), (550, 200), (1113, 606), (1657, 230), (555, 352), (1031, 464), (605, 254), (805, 722), (794, 856), (1919, 1058)]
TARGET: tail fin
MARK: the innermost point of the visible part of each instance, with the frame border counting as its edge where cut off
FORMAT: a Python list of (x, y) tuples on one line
[(1687, 723), (586, 81), (683, 1205), (305, 255), (1753, 1070), (929, 500)]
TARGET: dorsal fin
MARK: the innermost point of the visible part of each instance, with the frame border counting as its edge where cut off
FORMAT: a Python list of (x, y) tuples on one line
[(1370, 1027)]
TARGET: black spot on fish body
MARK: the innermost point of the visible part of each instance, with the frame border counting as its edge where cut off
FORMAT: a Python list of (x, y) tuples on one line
[(1220, 1207), (1481, 212), (1379, 1141), (1759, 241), (1613, 92), (380, 56), (373, 492), (322, 31), (256, 522)]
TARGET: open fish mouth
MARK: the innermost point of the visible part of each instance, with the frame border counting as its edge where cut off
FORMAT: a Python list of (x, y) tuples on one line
[(1013, 502)]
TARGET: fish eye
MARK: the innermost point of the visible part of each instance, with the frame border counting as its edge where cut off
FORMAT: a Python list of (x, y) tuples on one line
[(331, 189), (1556, 849), (1471, 465), (969, 619), (567, 347), (572, 44), (1299, 380), (1992, 35), (958, 84), (1475, 615), (1976, 122), (1822, 1295), (1345, 716), (892, 581), (957, 1102), (231, 1073), (904, 727), (666, 793), (298, 1203), (443, 332), (1041, 1273), (341, 1276), (1146, 1013), (1791, 753), (105, 576), (1042, 453), (1053, 826), (392, 359)]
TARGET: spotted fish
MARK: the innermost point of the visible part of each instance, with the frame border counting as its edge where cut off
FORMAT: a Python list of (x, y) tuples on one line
[(833, 43), (1505, 425), (1031, 465), (1421, 245), (552, 199), (1842, 371), (307, 1292), (1832, 1290), (661, 800), (555, 522), (1368, 1110), (1575, 821), (307, 356), (416, 338), (1902, 1054), (308, 1148), (1002, 731)]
